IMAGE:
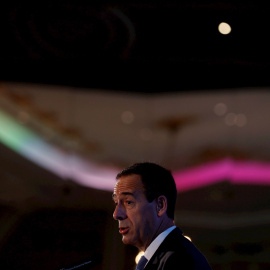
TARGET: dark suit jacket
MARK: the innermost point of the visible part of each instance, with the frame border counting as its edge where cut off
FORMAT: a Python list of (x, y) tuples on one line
[(177, 252)]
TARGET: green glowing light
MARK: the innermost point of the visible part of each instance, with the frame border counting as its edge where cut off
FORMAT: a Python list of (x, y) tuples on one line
[(13, 134)]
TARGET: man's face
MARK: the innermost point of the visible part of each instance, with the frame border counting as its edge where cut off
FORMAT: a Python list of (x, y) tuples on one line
[(138, 220)]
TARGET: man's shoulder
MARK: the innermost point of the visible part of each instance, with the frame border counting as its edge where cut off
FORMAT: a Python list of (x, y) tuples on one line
[(177, 249), (178, 243), (175, 235)]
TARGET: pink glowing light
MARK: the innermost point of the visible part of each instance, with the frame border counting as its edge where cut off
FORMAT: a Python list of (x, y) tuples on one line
[(238, 172)]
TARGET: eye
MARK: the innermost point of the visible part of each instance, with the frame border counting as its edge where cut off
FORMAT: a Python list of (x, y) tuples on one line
[(129, 203)]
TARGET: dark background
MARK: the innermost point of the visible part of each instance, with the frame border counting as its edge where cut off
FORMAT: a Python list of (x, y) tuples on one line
[(144, 46)]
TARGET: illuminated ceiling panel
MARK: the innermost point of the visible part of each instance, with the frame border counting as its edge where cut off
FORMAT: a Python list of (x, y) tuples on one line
[(69, 166)]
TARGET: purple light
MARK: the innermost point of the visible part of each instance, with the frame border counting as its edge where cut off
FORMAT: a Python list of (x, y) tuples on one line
[(251, 173), (240, 172)]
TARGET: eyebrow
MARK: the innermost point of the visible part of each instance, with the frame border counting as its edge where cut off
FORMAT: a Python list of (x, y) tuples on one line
[(123, 193)]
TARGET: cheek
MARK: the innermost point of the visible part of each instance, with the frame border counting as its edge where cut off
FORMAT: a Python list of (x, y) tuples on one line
[(145, 217), (136, 216)]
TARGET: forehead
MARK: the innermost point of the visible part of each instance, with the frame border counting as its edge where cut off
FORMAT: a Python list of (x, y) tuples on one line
[(128, 184)]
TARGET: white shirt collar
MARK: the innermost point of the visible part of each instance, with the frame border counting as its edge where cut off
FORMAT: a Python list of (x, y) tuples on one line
[(149, 252)]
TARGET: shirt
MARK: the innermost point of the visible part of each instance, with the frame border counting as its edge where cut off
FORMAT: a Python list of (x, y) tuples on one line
[(149, 252)]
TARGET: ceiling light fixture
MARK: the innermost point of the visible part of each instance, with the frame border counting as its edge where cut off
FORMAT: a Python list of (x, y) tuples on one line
[(224, 28)]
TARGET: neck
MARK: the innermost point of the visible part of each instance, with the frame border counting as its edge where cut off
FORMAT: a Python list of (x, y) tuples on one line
[(164, 224)]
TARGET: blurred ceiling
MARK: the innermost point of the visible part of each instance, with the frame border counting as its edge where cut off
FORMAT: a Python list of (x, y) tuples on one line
[(178, 130), (141, 46)]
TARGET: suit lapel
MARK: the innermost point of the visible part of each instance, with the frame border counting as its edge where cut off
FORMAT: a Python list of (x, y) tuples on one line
[(158, 256)]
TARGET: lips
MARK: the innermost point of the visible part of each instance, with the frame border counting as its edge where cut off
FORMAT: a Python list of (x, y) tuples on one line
[(123, 230)]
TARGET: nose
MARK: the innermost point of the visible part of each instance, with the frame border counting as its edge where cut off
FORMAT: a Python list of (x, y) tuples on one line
[(119, 213)]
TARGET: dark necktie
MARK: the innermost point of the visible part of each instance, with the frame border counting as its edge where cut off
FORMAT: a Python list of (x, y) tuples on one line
[(142, 262)]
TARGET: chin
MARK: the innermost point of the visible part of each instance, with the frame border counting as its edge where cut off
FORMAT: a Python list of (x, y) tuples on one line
[(127, 241)]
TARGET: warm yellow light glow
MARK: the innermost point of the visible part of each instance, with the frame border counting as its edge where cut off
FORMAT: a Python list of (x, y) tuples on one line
[(139, 255), (188, 237), (224, 28)]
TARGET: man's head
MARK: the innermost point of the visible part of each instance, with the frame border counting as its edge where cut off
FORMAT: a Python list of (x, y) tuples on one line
[(156, 180), (145, 196)]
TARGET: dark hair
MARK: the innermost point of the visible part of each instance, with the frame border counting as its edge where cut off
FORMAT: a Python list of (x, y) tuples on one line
[(157, 181)]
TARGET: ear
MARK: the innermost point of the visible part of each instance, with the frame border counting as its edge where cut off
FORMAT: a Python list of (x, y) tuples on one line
[(161, 205)]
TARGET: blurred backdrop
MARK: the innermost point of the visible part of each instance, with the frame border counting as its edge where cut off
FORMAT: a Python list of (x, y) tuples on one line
[(90, 88)]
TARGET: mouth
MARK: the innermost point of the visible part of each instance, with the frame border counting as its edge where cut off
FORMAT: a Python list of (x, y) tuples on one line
[(123, 230)]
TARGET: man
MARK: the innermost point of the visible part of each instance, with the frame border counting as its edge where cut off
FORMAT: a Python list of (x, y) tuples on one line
[(145, 196)]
